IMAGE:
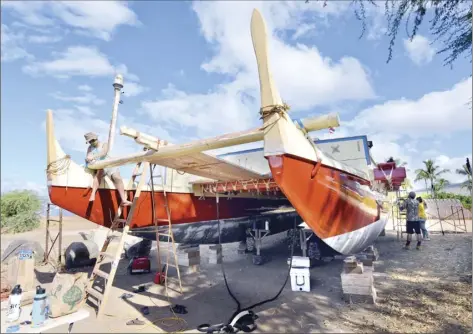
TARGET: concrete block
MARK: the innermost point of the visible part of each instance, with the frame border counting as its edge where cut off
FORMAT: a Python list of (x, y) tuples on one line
[(368, 298), (215, 247), (188, 261)]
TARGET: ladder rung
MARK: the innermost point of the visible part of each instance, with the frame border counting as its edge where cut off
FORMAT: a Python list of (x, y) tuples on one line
[(54, 220), (164, 220), (100, 273), (97, 294), (119, 220), (137, 174)]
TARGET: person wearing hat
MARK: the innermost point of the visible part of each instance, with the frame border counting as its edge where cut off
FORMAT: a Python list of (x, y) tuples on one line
[(98, 151), (412, 219)]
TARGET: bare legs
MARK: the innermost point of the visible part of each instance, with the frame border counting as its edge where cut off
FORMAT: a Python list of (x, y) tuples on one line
[(95, 184), (117, 181)]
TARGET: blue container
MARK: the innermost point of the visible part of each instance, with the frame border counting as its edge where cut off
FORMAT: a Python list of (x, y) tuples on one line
[(40, 310)]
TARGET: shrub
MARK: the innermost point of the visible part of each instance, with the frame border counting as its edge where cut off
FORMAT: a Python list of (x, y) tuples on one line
[(465, 200), (20, 211)]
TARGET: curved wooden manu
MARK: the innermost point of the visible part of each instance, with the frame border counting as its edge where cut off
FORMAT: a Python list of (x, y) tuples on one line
[(334, 199)]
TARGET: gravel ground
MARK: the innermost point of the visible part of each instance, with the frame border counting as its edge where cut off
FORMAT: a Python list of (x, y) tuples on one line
[(418, 292)]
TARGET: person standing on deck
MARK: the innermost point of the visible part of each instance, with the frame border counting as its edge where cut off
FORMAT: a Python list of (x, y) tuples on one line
[(423, 218), (412, 219), (98, 151)]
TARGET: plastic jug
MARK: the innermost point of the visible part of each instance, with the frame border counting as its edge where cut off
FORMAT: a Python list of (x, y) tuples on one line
[(40, 310), (14, 302)]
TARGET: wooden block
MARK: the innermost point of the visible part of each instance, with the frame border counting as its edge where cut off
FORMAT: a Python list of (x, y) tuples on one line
[(350, 259), (360, 280), (354, 270)]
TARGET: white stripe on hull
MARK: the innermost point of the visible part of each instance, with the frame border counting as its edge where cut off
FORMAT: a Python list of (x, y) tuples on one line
[(358, 240)]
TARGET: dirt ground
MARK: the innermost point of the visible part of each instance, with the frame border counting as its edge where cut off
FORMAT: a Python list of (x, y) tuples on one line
[(418, 292)]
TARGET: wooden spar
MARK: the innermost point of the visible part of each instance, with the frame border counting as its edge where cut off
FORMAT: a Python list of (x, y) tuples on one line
[(181, 149), (305, 124), (173, 151), (117, 86)]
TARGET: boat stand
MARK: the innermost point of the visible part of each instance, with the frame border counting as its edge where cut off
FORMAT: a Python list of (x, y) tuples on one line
[(258, 236), (49, 237)]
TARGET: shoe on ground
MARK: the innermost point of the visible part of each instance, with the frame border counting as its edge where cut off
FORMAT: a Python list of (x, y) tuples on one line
[(406, 247), (427, 239), (418, 247)]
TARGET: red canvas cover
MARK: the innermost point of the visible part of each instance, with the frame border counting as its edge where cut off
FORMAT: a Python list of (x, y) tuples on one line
[(398, 174)]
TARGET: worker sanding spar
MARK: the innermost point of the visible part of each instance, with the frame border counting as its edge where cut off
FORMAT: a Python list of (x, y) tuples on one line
[(98, 151)]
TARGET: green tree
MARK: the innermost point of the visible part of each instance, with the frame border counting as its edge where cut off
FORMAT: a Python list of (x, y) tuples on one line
[(468, 183), (440, 185), (20, 211), (465, 200), (451, 23), (431, 173)]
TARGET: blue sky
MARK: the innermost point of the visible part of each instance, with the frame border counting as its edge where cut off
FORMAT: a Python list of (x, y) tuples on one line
[(190, 72)]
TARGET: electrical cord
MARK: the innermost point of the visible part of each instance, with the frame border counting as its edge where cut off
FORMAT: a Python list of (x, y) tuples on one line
[(247, 314)]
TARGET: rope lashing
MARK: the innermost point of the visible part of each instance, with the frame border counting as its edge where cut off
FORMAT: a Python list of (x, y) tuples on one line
[(59, 166), (275, 109)]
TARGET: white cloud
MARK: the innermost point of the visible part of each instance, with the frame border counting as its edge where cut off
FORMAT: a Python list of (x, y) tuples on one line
[(419, 50), (303, 30), (210, 114), (78, 61), (85, 110), (70, 133), (133, 89), (43, 39), (87, 98), (435, 113), (12, 45), (452, 164), (97, 18), (303, 75), (85, 88), (17, 182)]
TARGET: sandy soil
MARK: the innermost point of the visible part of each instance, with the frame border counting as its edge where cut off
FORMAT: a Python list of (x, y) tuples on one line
[(418, 292)]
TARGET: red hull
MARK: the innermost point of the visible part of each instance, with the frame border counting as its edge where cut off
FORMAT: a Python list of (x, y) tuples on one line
[(327, 199), (185, 207)]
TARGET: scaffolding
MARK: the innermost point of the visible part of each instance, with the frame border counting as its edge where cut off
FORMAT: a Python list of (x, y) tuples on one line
[(49, 235), (442, 212), (449, 212)]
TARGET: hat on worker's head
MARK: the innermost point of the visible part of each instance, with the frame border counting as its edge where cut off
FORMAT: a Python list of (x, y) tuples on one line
[(412, 195), (90, 136)]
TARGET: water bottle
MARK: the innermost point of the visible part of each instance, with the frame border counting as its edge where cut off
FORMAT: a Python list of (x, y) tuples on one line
[(14, 301), (40, 310)]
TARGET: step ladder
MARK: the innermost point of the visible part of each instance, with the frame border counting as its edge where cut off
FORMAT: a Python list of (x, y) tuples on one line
[(115, 256), (168, 234)]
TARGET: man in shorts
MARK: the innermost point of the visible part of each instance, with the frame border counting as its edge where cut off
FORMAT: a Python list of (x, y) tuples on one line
[(98, 151), (412, 219)]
